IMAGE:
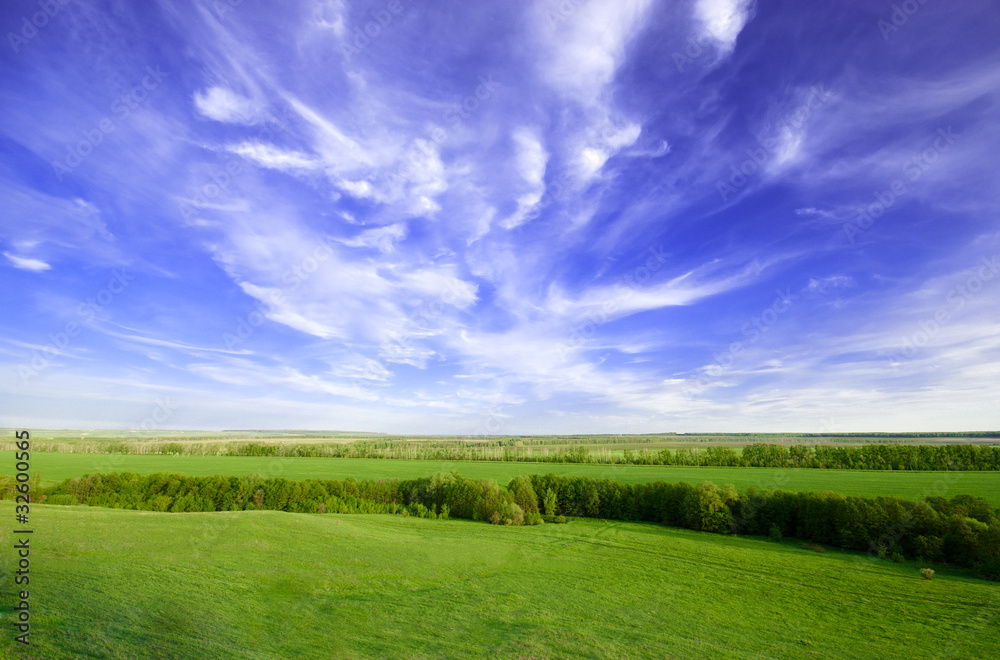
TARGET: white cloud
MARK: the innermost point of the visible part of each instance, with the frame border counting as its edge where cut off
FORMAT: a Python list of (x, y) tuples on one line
[(272, 157), (49, 228), (531, 159), (617, 300), (722, 20), (604, 141), (381, 238), (329, 15), (821, 284), (590, 45), (339, 152), (27, 263), (243, 372), (224, 105), (531, 156)]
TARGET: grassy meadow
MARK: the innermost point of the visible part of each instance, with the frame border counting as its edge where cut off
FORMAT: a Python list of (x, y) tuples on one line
[(55, 467), (262, 585), (114, 584), (146, 441)]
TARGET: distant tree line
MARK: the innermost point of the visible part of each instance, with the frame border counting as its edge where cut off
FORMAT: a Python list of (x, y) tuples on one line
[(873, 457), (770, 455), (963, 531)]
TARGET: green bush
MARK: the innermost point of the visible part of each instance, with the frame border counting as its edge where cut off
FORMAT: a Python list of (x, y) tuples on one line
[(162, 503), (898, 557), (511, 514), (775, 533)]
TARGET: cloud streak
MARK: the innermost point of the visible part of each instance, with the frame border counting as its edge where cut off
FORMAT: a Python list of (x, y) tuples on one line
[(426, 218)]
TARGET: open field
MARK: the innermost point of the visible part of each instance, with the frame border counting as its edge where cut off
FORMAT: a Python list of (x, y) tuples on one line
[(55, 467), (81, 440), (123, 584)]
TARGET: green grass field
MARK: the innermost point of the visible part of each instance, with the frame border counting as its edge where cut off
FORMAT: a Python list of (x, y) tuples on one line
[(58, 466), (126, 584)]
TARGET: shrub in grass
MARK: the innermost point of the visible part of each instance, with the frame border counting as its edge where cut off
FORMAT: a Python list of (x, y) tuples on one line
[(512, 514), (898, 557), (559, 519), (928, 573), (418, 510), (775, 533)]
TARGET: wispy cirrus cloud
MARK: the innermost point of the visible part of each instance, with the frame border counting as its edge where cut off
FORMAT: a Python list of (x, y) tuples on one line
[(27, 263), (489, 206)]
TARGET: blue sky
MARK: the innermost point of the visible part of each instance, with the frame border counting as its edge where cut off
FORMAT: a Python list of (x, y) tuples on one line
[(564, 216)]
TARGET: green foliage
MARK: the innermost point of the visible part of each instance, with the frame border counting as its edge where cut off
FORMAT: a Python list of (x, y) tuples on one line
[(524, 494), (550, 502), (704, 509), (775, 532), (988, 569)]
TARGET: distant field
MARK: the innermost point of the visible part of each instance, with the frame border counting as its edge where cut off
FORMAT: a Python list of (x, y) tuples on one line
[(267, 585), (76, 440), (57, 466)]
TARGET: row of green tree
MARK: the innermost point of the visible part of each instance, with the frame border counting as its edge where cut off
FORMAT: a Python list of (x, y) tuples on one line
[(863, 457), (440, 496), (874, 457), (964, 531)]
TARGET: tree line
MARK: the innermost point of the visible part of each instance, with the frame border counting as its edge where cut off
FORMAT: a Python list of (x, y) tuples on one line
[(963, 531), (770, 455)]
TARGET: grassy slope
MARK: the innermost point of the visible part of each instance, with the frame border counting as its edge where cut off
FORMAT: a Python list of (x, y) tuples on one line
[(57, 466), (122, 584)]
